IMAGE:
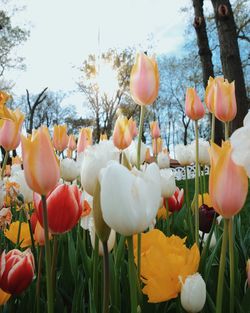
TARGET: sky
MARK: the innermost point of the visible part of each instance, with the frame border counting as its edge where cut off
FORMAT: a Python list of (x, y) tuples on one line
[(63, 33)]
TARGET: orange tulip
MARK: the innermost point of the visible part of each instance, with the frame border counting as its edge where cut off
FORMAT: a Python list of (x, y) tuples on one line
[(41, 166), (225, 107), (209, 94), (144, 80), (248, 272), (84, 140), (123, 132), (157, 145), (193, 106), (72, 143), (155, 130), (4, 297), (60, 137), (10, 130), (228, 182), (39, 234)]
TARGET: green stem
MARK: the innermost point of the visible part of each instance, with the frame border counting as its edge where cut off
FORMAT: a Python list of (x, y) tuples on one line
[(39, 273), (33, 243), (167, 217), (140, 136), (226, 130), (189, 212), (204, 179), (50, 297), (212, 127), (105, 277), (95, 269), (4, 163), (196, 184), (219, 295), (131, 273), (231, 258), (53, 265), (138, 167)]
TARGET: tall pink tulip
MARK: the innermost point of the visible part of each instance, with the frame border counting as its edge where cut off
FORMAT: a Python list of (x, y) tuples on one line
[(41, 166), (84, 139), (144, 80), (193, 107), (123, 132), (155, 130), (228, 182), (10, 130)]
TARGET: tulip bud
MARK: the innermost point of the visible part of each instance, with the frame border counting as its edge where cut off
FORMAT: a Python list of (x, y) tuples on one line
[(71, 143), (64, 208), (225, 107), (10, 130), (193, 293), (84, 140), (206, 216), (24, 189), (163, 159), (175, 202), (193, 106), (123, 132), (155, 130), (69, 169), (228, 182), (39, 235), (60, 137), (16, 270), (39, 161), (168, 185), (144, 80), (157, 145), (183, 154), (129, 201)]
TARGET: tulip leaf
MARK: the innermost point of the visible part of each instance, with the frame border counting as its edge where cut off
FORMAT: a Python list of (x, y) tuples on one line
[(72, 255), (246, 302), (101, 228)]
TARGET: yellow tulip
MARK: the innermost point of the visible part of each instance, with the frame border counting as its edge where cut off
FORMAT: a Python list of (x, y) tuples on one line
[(228, 182), (41, 166), (12, 234), (60, 137), (4, 112), (4, 297), (144, 80), (206, 200), (164, 261), (123, 132)]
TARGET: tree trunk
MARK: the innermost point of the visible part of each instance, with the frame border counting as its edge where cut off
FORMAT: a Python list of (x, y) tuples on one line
[(205, 56), (230, 56)]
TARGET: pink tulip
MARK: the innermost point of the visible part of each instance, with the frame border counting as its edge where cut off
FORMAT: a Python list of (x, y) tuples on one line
[(144, 80), (228, 182), (84, 140), (41, 166), (193, 106)]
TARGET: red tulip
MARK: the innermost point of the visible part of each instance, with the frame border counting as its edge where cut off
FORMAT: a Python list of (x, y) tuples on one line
[(64, 208), (176, 201), (16, 270)]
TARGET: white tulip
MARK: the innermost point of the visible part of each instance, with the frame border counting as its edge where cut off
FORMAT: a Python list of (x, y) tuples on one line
[(69, 169), (241, 145), (204, 158), (129, 202), (133, 153), (193, 293), (163, 159), (24, 189), (86, 220), (168, 185), (111, 240), (95, 158), (183, 154)]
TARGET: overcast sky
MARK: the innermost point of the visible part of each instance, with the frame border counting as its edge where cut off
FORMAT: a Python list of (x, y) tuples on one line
[(63, 33)]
